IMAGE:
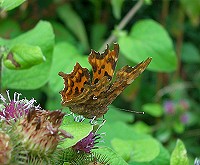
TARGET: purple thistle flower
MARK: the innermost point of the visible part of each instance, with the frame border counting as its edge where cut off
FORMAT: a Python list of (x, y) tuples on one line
[(169, 107), (184, 118), (87, 143), (13, 109)]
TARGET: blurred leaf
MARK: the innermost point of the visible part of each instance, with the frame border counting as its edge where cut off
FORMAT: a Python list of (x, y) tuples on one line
[(179, 155), (143, 150), (97, 35), (23, 56), (78, 130), (120, 130), (65, 57), (178, 127), (10, 4), (36, 76), (192, 9), (74, 23), (110, 155), (155, 110), (190, 53), (62, 34), (116, 8), (142, 127), (149, 39), (9, 29)]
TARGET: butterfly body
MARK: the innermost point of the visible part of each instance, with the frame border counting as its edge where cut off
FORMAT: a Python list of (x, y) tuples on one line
[(91, 98)]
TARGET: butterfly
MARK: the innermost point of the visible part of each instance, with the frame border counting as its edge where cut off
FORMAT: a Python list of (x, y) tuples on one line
[(90, 96)]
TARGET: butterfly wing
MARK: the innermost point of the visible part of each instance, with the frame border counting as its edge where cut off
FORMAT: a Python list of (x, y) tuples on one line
[(124, 77), (103, 65)]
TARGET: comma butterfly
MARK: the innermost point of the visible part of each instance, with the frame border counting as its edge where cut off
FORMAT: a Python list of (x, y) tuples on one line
[(90, 96)]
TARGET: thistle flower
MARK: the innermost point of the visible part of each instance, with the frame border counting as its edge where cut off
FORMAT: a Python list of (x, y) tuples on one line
[(13, 109), (86, 144), (5, 148), (169, 107), (35, 129)]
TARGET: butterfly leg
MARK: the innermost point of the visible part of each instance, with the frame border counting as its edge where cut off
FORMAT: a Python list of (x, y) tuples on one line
[(79, 118), (103, 122), (92, 121)]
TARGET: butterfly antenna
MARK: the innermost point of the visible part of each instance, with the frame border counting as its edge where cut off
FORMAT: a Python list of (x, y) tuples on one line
[(132, 111)]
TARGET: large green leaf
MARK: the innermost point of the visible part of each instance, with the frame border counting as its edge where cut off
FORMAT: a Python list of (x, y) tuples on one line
[(149, 39), (141, 150), (65, 57), (43, 37), (73, 21), (179, 155), (10, 4)]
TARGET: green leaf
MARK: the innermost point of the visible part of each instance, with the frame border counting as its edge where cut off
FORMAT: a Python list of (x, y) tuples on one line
[(141, 150), (149, 39), (65, 57), (23, 56), (142, 127), (116, 7), (190, 53), (74, 23), (192, 10), (179, 154), (36, 76), (10, 4), (155, 110), (109, 154), (79, 130)]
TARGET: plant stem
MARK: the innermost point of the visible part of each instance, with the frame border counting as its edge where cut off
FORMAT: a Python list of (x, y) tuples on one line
[(123, 23)]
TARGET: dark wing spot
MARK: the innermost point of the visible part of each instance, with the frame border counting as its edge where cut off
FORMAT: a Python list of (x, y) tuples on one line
[(94, 67), (76, 90), (85, 82), (70, 92), (71, 83), (99, 71), (107, 75), (96, 80), (78, 79), (82, 89), (129, 69), (102, 66)]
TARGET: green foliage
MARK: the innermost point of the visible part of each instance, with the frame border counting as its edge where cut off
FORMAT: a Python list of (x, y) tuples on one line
[(117, 6), (78, 130), (33, 51), (148, 38), (41, 36), (23, 56), (179, 155), (10, 4), (75, 24), (153, 109)]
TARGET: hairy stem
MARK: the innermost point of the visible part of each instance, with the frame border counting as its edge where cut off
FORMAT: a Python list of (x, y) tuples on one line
[(123, 23)]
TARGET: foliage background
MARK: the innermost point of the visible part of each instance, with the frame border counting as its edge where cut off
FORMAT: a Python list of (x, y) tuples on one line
[(51, 36)]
